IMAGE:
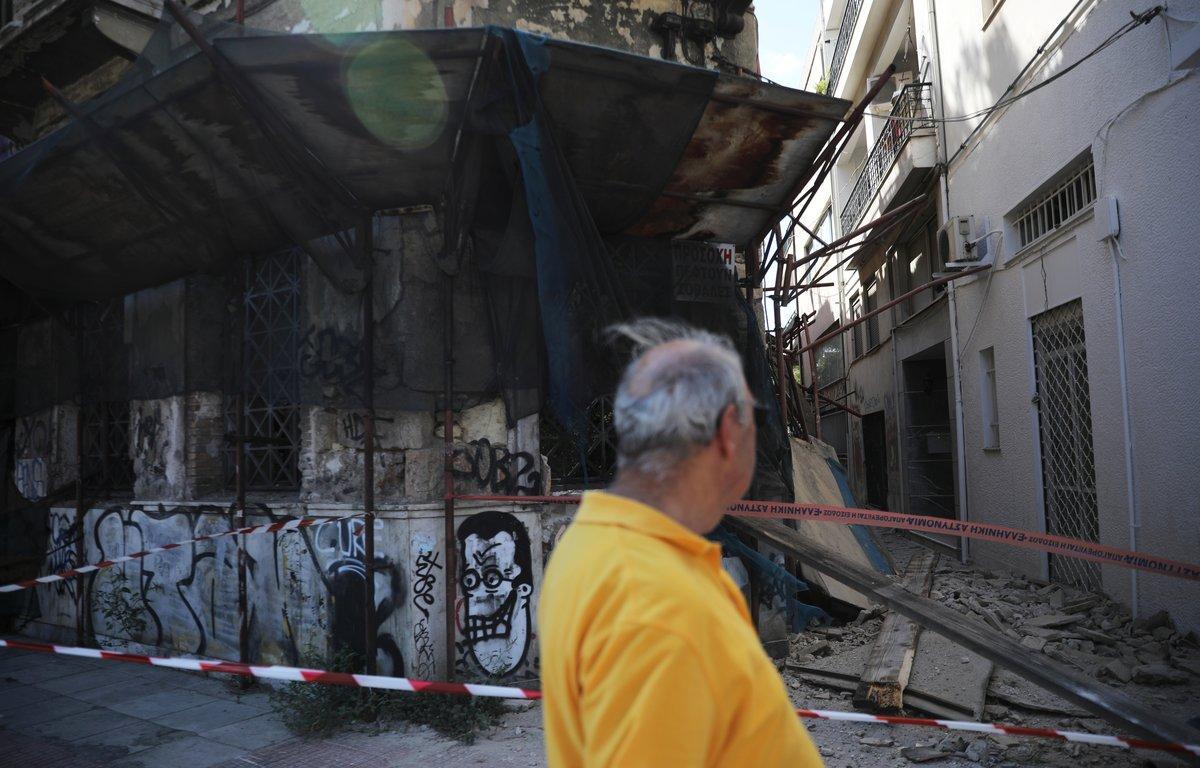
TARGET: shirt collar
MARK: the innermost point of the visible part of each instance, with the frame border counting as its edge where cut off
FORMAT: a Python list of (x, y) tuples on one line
[(603, 508)]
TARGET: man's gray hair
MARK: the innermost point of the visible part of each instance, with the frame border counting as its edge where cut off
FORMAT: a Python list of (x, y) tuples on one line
[(665, 415)]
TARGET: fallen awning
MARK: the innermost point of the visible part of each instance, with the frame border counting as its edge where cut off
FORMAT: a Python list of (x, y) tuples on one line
[(169, 174)]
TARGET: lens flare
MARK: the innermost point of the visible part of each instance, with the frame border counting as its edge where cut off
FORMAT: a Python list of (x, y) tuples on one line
[(397, 93)]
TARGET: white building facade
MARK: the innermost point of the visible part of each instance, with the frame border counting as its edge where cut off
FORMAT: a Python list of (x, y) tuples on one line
[(1055, 391)]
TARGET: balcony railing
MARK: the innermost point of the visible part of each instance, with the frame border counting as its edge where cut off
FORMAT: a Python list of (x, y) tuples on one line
[(913, 112), (845, 32)]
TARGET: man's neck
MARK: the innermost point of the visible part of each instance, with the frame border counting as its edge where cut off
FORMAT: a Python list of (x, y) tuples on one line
[(676, 497)]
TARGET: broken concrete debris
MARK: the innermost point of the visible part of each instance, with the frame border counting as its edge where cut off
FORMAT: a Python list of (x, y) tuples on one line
[(1148, 657)]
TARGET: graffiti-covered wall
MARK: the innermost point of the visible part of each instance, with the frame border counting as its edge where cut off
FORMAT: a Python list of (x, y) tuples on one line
[(305, 589)]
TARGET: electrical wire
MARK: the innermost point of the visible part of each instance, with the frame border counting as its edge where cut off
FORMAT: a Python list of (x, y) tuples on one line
[(1145, 17)]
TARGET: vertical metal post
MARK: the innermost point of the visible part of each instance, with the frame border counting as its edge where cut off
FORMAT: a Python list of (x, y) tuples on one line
[(816, 398), (448, 467), (80, 584), (779, 365), (239, 474), (366, 244)]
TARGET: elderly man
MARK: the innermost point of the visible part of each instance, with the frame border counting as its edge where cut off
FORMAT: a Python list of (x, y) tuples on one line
[(648, 654)]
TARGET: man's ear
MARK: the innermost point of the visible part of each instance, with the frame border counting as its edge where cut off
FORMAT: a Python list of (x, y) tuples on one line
[(727, 431)]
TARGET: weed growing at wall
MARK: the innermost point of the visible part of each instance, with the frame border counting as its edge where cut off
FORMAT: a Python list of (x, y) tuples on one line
[(312, 709), (122, 606)]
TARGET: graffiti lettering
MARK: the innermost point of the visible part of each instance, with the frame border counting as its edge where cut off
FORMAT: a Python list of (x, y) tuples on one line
[(494, 469), (354, 429), (30, 478), (344, 576), (150, 444), (31, 437), (425, 562)]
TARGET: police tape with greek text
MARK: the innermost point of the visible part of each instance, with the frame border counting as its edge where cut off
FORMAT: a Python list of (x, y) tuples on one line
[(1017, 537)]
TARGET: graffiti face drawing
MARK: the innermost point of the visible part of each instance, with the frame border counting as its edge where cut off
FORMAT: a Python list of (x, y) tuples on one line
[(497, 581)]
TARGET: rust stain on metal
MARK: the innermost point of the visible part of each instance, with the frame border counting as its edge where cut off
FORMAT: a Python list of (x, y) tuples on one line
[(748, 147)]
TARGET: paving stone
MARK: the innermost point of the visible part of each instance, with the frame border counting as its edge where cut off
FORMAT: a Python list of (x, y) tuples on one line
[(44, 670), (22, 696), (262, 731), (82, 724), (47, 709), (30, 751), (181, 752), (206, 717), (116, 692), (163, 703), (83, 681), (133, 738)]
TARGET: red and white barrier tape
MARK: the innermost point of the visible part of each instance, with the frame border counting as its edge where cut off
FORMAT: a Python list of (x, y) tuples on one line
[(1126, 742), (298, 675), (1017, 537), (290, 674), (286, 525)]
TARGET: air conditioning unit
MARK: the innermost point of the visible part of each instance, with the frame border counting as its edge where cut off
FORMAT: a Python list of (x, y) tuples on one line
[(954, 242)]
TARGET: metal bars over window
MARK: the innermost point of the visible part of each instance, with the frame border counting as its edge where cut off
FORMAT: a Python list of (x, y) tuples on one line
[(1065, 429), (271, 372), (103, 395), (913, 112), (598, 461), (1051, 210)]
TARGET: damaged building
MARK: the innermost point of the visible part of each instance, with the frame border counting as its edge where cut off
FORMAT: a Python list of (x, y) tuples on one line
[(341, 274)]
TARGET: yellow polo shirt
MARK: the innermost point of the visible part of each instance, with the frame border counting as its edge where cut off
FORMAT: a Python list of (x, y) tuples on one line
[(648, 657)]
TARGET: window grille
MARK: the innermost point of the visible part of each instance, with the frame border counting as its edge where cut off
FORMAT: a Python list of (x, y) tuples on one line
[(106, 461), (1051, 210), (1065, 430), (598, 462), (107, 465), (270, 375)]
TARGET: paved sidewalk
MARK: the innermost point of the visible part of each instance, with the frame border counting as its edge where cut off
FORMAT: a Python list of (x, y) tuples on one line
[(61, 711)]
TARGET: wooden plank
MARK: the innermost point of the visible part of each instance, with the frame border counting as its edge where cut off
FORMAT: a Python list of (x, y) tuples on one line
[(881, 687), (1112, 705), (814, 484)]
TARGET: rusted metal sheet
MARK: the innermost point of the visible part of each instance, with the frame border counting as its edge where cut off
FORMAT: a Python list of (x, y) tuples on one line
[(655, 147), (752, 142)]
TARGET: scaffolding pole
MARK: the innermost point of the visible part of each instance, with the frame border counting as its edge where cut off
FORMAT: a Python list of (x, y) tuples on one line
[(858, 321)]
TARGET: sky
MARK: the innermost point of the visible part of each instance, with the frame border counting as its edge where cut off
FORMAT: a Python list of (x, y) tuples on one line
[(784, 32)]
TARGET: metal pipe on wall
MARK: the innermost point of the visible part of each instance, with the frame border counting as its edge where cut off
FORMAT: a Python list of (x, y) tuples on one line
[(80, 553), (448, 466), (366, 244), (239, 473)]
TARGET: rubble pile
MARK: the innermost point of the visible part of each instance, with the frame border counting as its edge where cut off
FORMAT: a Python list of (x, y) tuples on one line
[(1085, 631), (1149, 658)]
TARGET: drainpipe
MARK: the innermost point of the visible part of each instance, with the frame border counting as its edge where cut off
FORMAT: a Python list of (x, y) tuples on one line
[(1135, 522), (959, 429), (960, 448)]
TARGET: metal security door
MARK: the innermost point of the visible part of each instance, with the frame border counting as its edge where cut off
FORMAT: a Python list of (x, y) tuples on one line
[(1065, 426)]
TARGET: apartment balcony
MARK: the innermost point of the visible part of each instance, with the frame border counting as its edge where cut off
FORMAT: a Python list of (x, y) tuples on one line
[(842, 47), (896, 166)]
